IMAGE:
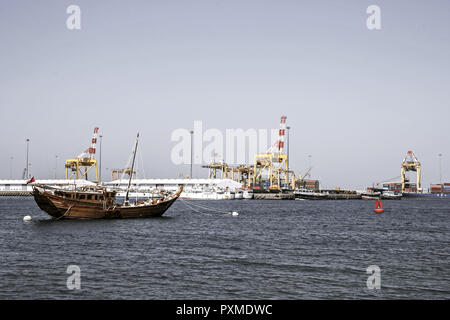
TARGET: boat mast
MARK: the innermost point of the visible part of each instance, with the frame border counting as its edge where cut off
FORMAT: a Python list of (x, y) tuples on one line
[(132, 168)]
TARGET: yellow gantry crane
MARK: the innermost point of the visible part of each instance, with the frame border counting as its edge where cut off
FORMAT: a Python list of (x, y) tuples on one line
[(410, 163), (220, 170), (272, 167), (217, 170), (116, 173), (83, 163)]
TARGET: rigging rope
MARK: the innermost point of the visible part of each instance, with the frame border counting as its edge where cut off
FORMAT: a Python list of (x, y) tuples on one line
[(193, 209), (142, 164), (138, 166), (203, 207), (390, 179), (67, 211), (126, 166)]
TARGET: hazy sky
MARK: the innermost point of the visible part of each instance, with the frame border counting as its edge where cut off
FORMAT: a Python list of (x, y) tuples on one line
[(357, 99)]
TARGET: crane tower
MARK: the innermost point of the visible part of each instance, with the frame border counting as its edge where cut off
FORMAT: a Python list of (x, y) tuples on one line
[(85, 160), (272, 166), (410, 163)]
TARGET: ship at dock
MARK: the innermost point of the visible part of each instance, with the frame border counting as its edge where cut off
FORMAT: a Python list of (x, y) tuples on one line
[(193, 189), (408, 188)]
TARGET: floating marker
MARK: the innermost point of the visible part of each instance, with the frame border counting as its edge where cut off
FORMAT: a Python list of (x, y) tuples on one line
[(27, 218), (378, 207)]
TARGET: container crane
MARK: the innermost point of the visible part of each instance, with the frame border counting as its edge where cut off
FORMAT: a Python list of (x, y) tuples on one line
[(85, 160), (410, 163), (274, 164)]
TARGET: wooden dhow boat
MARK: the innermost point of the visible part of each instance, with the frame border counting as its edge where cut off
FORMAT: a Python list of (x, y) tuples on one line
[(97, 202)]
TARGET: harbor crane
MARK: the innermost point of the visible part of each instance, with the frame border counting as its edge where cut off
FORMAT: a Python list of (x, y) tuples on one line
[(85, 160), (273, 165), (410, 163), (270, 168), (307, 174), (117, 173)]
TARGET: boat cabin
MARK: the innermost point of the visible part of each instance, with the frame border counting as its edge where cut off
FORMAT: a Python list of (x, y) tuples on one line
[(97, 194)]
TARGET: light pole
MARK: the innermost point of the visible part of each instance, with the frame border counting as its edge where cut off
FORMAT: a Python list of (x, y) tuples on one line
[(440, 168), (288, 128), (10, 167), (192, 136), (56, 164), (310, 168), (27, 176), (288, 159), (100, 179)]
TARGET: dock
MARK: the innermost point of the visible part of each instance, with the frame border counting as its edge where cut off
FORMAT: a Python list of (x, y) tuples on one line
[(274, 196), (341, 195), (16, 193)]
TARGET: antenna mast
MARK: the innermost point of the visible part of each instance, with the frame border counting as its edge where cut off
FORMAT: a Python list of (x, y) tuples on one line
[(132, 168)]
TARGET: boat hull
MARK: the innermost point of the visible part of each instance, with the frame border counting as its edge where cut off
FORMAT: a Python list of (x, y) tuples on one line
[(391, 197), (247, 195), (60, 208), (427, 195), (310, 196), (370, 198)]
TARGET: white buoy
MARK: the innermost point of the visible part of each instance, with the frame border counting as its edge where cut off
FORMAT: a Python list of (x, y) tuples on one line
[(27, 218), (234, 214)]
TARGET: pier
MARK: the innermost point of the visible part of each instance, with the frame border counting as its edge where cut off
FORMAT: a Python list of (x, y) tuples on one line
[(274, 196), (15, 193)]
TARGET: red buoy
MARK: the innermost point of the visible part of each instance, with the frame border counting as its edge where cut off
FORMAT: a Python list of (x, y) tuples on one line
[(378, 207)]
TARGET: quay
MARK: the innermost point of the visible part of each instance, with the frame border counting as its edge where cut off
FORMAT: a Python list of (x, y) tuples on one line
[(274, 196), (341, 195)]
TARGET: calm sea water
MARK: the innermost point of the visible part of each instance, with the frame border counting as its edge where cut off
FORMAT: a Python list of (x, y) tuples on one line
[(272, 250)]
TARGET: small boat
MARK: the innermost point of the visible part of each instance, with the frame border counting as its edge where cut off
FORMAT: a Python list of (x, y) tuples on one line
[(370, 195), (309, 195), (248, 194), (96, 202), (390, 195), (204, 193), (229, 195), (239, 194)]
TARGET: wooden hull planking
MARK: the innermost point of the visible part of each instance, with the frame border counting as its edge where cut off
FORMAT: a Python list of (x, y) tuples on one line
[(61, 208)]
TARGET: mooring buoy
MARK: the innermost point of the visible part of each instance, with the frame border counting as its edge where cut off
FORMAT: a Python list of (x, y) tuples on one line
[(378, 207)]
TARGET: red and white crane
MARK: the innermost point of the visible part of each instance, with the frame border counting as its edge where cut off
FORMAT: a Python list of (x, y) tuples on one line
[(90, 152), (278, 146), (85, 160)]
